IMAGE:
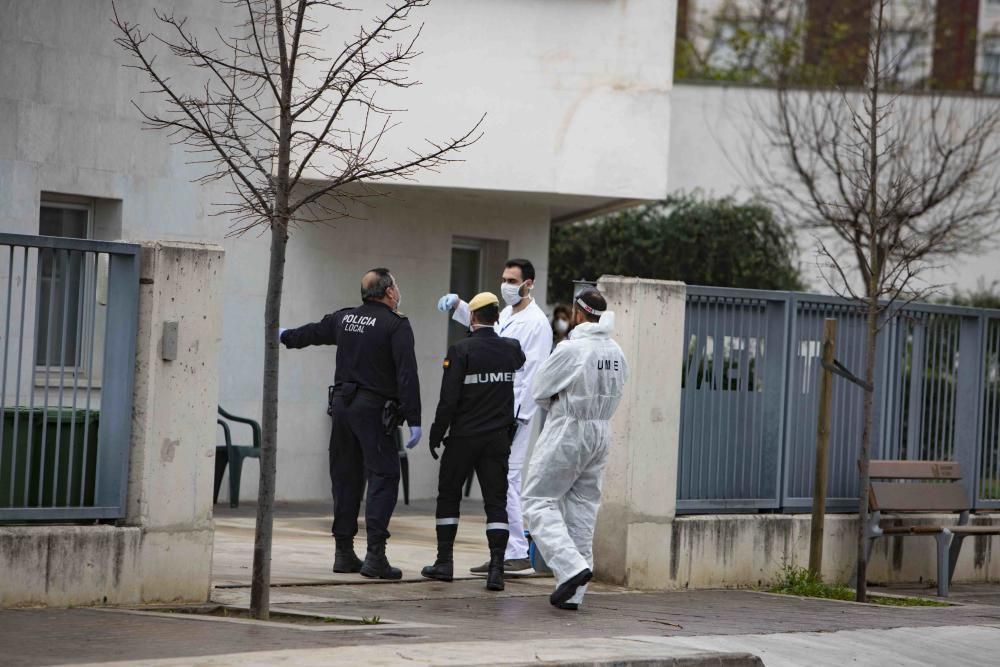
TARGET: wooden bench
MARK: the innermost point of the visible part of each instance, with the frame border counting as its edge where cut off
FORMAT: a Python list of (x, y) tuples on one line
[(921, 487)]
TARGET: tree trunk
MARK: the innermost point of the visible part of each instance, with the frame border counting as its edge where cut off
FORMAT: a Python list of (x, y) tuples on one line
[(873, 287), (817, 526), (864, 457), (260, 586)]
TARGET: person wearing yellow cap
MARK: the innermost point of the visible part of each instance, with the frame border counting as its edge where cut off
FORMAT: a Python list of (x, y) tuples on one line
[(523, 320), (476, 413)]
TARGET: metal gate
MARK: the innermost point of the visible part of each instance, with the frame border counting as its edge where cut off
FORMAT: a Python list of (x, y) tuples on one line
[(68, 319)]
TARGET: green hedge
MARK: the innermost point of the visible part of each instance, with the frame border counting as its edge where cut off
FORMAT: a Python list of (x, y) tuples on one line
[(717, 242)]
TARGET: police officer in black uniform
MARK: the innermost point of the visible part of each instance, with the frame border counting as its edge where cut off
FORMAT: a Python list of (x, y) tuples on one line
[(477, 412), (375, 387)]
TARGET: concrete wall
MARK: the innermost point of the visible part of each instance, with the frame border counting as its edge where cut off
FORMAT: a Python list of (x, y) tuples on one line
[(740, 550), (162, 550), (171, 470), (640, 482), (69, 125), (711, 126), (411, 233), (576, 94)]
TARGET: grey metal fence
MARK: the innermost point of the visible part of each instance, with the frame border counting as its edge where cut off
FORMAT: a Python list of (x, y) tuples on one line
[(732, 383), (68, 318), (749, 398)]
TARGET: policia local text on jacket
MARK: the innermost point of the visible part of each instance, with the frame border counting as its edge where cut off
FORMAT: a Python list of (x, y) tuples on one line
[(375, 364), (476, 409)]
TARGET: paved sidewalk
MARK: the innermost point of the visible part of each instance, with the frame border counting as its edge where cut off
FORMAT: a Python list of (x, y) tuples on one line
[(435, 623), (460, 621), (303, 546), (963, 645)]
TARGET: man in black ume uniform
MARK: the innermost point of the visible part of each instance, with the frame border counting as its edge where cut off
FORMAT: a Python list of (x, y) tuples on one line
[(477, 412), (375, 386)]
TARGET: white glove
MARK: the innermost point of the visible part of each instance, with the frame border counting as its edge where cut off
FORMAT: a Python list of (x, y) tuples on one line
[(447, 302), (280, 331)]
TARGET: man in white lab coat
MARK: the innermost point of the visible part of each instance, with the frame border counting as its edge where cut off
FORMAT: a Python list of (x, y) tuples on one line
[(524, 321)]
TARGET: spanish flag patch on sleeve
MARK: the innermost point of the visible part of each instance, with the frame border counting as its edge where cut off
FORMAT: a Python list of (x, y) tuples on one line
[(446, 363)]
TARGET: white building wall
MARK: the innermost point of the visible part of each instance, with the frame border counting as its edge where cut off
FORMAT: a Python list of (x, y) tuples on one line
[(410, 233), (710, 127), (575, 93), (67, 124)]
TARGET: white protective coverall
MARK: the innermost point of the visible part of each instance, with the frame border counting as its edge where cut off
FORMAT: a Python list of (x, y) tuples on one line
[(580, 385), (530, 327)]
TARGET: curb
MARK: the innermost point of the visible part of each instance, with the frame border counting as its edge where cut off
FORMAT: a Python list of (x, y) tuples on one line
[(697, 660)]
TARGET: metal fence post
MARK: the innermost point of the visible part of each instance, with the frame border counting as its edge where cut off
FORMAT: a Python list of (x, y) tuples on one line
[(119, 361), (969, 401)]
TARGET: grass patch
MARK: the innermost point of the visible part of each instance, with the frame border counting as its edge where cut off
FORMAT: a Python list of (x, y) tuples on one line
[(801, 582), (888, 601)]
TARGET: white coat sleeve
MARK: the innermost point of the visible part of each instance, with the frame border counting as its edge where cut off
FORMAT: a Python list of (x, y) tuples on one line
[(555, 374), (536, 346), (462, 314)]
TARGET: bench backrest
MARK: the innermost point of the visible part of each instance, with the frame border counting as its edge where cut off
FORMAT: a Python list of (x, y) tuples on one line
[(945, 493)]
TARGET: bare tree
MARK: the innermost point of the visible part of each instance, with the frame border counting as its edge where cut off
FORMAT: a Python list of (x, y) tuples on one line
[(890, 184), (289, 144)]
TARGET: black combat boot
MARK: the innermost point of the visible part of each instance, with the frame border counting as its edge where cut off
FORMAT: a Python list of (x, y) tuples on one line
[(496, 537), (443, 568), (376, 565), (344, 558), (494, 577)]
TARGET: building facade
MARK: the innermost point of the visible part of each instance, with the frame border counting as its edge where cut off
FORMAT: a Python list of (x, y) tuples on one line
[(730, 53), (576, 98)]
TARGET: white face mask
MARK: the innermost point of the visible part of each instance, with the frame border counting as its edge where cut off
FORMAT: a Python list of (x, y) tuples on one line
[(562, 326), (399, 297), (511, 293)]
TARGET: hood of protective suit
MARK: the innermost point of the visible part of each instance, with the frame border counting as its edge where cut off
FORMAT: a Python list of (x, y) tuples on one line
[(601, 329)]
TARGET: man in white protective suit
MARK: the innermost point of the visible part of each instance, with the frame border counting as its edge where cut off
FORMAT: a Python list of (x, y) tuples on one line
[(580, 385), (524, 321)]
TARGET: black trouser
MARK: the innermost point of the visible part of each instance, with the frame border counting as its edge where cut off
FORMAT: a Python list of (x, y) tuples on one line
[(361, 451), (487, 455)]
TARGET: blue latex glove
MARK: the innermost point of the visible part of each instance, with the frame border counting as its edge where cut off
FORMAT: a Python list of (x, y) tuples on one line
[(447, 302), (415, 434), (280, 331)]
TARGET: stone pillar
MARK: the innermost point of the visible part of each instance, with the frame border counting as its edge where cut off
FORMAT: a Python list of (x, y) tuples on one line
[(171, 469), (632, 543)]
